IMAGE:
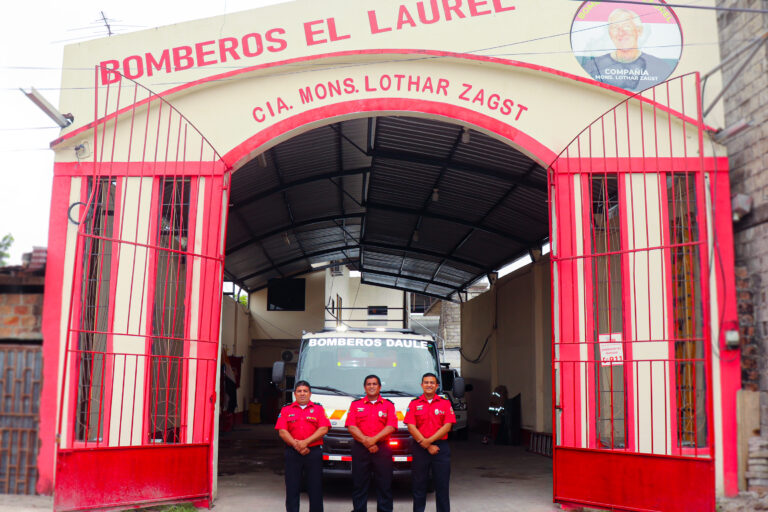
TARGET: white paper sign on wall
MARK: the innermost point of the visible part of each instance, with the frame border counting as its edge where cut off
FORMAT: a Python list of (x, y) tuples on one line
[(611, 349)]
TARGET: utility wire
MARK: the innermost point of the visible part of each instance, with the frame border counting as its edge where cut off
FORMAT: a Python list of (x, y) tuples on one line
[(685, 6)]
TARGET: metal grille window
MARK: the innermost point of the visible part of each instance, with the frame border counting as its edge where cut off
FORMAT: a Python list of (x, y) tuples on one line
[(21, 370), (687, 314), (607, 315), (168, 319), (94, 312)]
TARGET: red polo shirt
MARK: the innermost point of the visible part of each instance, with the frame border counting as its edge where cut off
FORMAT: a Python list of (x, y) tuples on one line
[(302, 423), (429, 417), (370, 417)]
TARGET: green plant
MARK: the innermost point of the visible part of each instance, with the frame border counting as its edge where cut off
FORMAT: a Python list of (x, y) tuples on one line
[(5, 245)]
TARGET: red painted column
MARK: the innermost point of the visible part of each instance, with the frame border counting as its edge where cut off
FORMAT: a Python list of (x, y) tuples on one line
[(730, 360), (52, 314)]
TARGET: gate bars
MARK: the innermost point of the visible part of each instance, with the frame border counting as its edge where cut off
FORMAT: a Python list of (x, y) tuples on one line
[(631, 334), (143, 327)]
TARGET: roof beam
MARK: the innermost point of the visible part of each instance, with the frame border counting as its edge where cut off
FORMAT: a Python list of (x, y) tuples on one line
[(239, 217), (487, 214), (408, 156), (437, 255), (362, 246), (411, 278), (431, 191), (403, 289), (287, 203), (446, 218), (304, 181), (299, 258), (295, 225), (334, 263)]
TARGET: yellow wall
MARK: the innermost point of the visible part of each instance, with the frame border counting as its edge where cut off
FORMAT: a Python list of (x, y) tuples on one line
[(354, 294), (518, 354), (289, 324)]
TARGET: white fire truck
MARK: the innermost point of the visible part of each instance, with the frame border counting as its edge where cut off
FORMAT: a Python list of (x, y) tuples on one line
[(335, 364)]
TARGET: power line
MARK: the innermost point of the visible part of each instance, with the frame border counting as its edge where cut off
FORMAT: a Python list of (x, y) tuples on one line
[(686, 6), (332, 68), (26, 128)]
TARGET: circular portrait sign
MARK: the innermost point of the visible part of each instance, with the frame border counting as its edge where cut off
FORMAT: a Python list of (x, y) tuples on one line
[(628, 45)]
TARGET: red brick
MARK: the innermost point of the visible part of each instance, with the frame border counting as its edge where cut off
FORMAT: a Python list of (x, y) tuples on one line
[(11, 320), (21, 310), (35, 298), (28, 321)]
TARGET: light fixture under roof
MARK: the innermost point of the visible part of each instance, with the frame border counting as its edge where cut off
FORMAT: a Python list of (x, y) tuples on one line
[(465, 137)]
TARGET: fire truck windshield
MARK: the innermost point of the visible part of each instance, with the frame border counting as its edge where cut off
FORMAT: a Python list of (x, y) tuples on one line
[(342, 363)]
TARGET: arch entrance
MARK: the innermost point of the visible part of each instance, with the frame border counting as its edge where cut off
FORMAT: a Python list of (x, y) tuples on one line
[(422, 195)]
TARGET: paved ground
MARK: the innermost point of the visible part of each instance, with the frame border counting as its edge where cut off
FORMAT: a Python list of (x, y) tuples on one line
[(484, 478)]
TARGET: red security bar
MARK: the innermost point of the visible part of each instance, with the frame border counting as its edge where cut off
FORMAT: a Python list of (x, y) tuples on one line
[(142, 338), (632, 339)]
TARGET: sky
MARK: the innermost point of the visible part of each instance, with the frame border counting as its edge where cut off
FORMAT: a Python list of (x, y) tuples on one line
[(32, 37)]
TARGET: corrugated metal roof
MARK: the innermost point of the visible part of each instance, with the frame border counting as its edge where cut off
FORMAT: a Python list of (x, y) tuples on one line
[(408, 201)]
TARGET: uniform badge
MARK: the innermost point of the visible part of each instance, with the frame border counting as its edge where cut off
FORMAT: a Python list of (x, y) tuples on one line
[(381, 414), (311, 410), (419, 407), (361, 409), (437, 412)]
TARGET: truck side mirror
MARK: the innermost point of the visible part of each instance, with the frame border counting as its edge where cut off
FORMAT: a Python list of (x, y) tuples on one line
[(458, 387), (278, 373)]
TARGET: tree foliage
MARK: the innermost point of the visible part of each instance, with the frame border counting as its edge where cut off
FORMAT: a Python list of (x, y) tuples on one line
[(5, 246)]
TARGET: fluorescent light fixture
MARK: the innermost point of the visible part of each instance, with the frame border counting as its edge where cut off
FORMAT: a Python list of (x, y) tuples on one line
[(341, 328), (546, 248), (465, 137), (320, 264), (380, 329), (720, 136), (517, 264), (63, 120), (355, 273)]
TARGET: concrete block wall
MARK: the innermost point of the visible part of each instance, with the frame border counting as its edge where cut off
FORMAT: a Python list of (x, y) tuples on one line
[(747, 99), (450, 324)]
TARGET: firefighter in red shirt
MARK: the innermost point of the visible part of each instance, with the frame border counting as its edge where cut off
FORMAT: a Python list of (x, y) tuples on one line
[(371, 420), (429, 419), (302, 426)]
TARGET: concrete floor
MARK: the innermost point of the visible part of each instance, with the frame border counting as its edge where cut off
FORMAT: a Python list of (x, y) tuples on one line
[(484, 478)]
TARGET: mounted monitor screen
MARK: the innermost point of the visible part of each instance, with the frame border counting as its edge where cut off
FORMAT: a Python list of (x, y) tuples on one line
[(286, 294)]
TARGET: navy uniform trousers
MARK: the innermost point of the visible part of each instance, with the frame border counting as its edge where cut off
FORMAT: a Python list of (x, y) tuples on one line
[(312, 465), (440, 464), (380, 464)]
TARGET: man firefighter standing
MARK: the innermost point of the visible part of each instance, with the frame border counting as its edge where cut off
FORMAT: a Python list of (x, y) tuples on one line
[(429, 419), (302, 425), (371, 420)]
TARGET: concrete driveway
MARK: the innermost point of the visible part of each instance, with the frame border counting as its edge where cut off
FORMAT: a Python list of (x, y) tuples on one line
[(485, 478)]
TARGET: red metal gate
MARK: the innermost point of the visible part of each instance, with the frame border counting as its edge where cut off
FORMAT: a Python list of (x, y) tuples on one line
[(137, 398), (631, 331)]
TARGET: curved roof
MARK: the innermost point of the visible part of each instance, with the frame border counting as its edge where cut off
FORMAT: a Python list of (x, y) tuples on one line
[(414, 204)]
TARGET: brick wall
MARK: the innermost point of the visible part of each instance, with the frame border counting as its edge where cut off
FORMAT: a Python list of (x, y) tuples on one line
[(21, 307)]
